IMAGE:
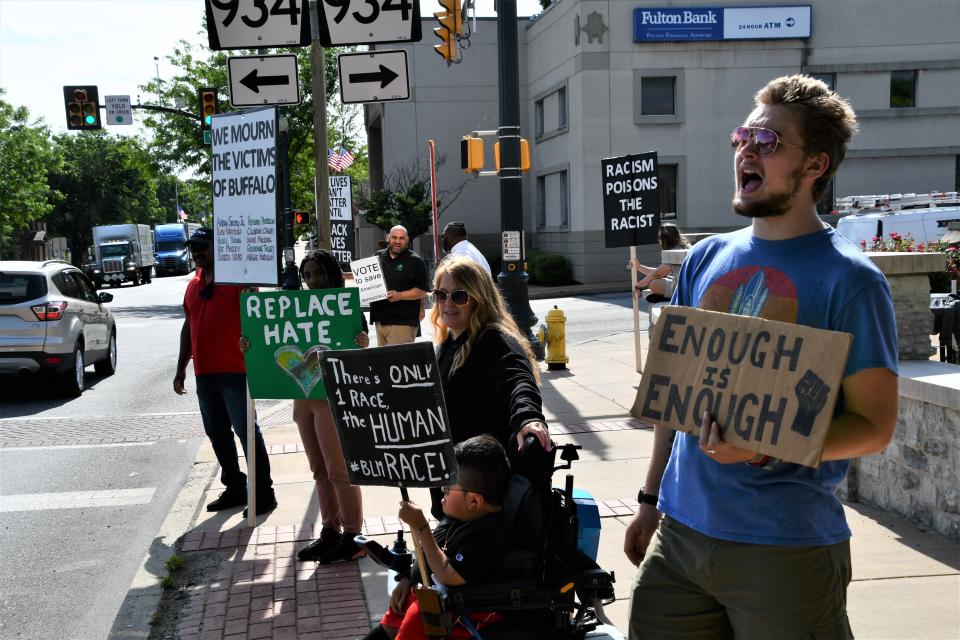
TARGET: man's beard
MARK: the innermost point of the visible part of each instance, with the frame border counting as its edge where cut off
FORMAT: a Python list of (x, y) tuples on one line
[(776, 204)]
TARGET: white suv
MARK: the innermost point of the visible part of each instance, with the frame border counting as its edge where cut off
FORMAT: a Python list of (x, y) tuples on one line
[(53, 320)]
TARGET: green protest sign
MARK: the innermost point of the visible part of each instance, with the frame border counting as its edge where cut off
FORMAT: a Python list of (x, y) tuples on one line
[(288, 330)]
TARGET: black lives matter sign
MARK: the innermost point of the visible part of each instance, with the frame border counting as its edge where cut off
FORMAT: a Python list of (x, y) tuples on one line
[(631, 204), (390, 415), (341, 220)]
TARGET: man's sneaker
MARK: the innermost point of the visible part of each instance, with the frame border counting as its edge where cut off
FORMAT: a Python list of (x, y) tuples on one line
[(345, 550), (228, 500), (265, 504), (329, 538)]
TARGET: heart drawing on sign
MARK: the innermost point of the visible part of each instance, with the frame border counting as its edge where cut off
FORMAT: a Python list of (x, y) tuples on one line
[(304, 368)]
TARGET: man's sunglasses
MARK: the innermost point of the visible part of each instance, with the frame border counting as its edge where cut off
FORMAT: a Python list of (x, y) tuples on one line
[(765, 139), (447, 490), (459, 297)]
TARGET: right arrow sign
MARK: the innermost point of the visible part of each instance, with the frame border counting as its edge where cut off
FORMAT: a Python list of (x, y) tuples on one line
[(377, 76)]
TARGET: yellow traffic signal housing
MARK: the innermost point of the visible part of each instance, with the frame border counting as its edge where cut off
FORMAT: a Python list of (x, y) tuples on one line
[(209, 105), (471, 154), (524, 155), (82, 104), (451, 24)]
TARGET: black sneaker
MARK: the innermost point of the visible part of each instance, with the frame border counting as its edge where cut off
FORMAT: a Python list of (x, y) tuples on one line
[(345, 550), (264, 505), (228, 500), (329, 538)]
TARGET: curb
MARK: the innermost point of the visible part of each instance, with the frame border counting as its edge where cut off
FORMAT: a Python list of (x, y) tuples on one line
[(545, 293)]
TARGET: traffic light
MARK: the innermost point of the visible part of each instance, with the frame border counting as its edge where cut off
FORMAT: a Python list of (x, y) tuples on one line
[(524, 155), (471, 154), (301, 217), (451, 23), (82, 104), (209, 105)]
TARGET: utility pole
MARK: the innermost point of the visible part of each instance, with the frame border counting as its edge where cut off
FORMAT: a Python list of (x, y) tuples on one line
[(513, 275), (318, 67)]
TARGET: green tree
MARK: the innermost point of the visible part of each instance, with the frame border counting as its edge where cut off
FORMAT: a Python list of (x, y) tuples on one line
[(176, 139), (103, 180), (26, 154)]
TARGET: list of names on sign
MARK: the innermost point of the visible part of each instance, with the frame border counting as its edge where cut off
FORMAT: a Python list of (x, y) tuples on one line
[(391, 419)]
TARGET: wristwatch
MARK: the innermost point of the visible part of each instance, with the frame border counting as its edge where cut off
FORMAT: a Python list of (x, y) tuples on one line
[(646, 498)]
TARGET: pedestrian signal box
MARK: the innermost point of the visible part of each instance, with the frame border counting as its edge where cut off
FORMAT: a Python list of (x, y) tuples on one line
[(471, 154), (82, 104), (301, 217), (524, 155)]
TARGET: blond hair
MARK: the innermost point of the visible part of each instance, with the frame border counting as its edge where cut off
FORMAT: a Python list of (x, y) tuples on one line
[(489, 310)]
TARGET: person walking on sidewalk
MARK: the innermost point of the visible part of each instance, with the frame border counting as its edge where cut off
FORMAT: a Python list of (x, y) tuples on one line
[(210, 335), (398, 317), (341, 504), (455, 243), (749, 546)]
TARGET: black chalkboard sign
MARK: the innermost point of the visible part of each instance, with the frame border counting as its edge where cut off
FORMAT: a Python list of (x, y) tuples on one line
[(631, 204), (391, 419)]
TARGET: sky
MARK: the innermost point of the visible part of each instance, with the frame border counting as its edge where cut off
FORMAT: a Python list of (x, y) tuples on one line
[(46, 44)]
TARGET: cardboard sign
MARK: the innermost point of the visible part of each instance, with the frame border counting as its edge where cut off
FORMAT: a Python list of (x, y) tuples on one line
[(288, 330), (243, 163), (631, 203), (368, 275), (390, 415), (771, 386)]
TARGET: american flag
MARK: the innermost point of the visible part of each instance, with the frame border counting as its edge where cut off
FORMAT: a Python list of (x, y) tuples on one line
[(339, 159), (181, 215)]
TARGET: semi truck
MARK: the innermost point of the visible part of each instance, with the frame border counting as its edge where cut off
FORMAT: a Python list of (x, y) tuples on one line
[(122, 253), (172, 256)]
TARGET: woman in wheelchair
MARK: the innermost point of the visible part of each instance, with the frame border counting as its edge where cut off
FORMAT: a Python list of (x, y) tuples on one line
[(490, 376), (470, 542)]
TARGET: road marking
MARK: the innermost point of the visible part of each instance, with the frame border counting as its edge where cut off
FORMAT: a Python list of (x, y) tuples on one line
[(80, 446), (75, 499)]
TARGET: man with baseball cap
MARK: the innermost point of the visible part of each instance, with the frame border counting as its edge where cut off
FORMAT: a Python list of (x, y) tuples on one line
[(211, 336)]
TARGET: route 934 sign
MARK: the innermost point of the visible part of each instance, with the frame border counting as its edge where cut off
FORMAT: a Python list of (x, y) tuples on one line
[(347, 22), (252, 24)]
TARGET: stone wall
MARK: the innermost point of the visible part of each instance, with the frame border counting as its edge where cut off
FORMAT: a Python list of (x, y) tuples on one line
[(918, 476)]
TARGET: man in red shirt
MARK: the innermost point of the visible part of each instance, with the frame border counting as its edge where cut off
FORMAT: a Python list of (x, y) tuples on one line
[(211, 335)]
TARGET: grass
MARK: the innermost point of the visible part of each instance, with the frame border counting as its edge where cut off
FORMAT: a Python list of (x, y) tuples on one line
[(167, 582), (175, 562)]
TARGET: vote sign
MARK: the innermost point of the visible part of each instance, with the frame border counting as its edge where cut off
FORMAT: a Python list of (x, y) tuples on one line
[(253, 24), (347, 22), (631, 202), (288, 331), (390, 415)]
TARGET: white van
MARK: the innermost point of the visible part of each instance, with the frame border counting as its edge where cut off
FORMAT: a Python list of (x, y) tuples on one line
[(880, 219)]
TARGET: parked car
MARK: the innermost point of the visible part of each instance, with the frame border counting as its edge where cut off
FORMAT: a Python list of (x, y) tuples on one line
[(53, 321)]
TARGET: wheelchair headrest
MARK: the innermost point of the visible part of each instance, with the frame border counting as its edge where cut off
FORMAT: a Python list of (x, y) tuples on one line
[(524, 509), (533, 462)]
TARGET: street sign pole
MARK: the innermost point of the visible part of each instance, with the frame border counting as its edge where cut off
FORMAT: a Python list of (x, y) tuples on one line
[(513, 275), (291, 276)]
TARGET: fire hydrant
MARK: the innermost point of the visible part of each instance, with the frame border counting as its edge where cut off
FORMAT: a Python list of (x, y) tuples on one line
[(555, 336)]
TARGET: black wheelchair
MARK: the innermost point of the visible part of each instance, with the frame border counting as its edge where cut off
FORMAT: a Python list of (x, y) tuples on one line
[(547, 588)]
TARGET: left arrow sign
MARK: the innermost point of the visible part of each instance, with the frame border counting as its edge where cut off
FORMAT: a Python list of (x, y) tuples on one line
[(253, 81)]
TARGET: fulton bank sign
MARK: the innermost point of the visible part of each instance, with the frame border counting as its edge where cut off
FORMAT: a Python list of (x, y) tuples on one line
[(720, 23)]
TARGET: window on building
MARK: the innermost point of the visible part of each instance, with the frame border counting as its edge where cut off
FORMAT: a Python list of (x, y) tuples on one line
[(667, 188), (550, 113), (553, 211), (830, 79), (903, 89), (658, 96)]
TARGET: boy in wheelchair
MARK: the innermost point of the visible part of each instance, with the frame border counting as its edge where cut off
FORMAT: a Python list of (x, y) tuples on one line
[(469, 543), (541, 582)]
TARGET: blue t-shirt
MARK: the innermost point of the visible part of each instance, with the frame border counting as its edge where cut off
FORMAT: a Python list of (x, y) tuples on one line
[(819, 280)]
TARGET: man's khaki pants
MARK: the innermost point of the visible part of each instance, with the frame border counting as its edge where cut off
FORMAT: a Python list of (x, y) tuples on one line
[(388, 334)]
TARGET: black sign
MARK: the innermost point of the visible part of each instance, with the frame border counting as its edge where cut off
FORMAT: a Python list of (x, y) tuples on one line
[(631, 203), (341, 242), (390, 415)]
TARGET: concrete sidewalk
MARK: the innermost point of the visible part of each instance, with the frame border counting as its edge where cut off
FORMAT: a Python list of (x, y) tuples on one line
[(241, 583)]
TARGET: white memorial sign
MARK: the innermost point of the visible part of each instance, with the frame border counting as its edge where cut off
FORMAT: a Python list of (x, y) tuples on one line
[(369, 278), (245, 187)]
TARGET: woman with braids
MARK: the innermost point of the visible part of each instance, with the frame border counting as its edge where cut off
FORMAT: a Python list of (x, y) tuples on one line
[(490, 376), (341, 506)]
